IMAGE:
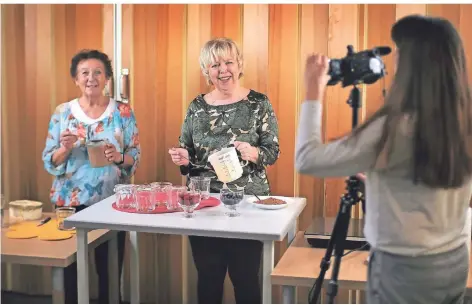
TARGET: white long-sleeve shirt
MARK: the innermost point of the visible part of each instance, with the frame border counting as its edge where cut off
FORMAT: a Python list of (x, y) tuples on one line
[(401, 217)]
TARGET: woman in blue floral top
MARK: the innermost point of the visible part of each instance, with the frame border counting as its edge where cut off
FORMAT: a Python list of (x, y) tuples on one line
[(93, 116)]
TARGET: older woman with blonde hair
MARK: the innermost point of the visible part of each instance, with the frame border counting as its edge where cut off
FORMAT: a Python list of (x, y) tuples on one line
[(228, 115)]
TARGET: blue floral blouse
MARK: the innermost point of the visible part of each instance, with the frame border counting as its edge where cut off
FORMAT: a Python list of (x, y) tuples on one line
[(76, 182)]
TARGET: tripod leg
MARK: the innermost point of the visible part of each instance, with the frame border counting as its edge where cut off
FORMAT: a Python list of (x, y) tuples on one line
[(339, 224), (344, 218), (315, 292)]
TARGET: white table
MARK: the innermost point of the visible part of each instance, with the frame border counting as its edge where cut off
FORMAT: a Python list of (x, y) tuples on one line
[(253, 223)]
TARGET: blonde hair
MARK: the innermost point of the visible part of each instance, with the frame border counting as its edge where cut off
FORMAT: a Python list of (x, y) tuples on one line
[(219, 48)]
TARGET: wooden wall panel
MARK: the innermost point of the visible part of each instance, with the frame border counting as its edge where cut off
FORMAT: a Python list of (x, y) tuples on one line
[(343, 31), (403, 10), (226, 21), (170, 277), (12, 94), (452, 12), (14, 176), (198, 26), (283, 90), (127, 63), (199, 16), (161, 48), (466, 34), (255, 46), (157, 75), (283, 81), (380, 18), (314, 26), (35, 80)]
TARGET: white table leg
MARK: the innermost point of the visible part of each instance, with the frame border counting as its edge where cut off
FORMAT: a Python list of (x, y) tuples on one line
[(289, 292), (58, 296), (134, 267), (267, 267), (288, 295), (82, 267), (113, 271), (292, 232)]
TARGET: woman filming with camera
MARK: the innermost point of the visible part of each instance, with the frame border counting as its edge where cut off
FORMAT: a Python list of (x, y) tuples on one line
[(416, 153)]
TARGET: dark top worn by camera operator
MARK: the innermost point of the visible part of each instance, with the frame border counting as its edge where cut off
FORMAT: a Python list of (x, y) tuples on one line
[(402, 218)]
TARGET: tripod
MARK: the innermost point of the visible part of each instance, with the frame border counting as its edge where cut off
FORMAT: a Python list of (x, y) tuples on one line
[(341, 225)]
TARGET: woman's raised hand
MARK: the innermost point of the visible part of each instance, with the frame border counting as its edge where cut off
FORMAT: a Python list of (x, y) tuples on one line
[(68, 139)]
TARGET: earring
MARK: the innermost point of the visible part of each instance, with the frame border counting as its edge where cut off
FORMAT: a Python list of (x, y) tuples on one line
[(106, 91)]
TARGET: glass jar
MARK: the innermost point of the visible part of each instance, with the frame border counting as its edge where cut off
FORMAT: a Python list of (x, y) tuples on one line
[(125, 198), (144, 198), (162, 192), (96, 153), (173, 200)]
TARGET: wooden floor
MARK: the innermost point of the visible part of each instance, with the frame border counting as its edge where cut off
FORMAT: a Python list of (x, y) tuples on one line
[(16, 298), (19, 298)]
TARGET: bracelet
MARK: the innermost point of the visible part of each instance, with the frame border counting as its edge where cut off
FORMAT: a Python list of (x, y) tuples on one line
[(122, 159), (259, 154)]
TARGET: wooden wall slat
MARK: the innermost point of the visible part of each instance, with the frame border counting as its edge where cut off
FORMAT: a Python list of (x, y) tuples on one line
[(44, 87), (403, 10), (13, 68), (465, 29), (199, 17), (89, 18), (146, 20), (282, 90), (452, 12), (60, 63), (107, 35), (171, 277), (30, 107), (255, 46), (226, 21), (198, 26), (343, 31), (380, 18), (283, 80), (314, 25), (161, 47)]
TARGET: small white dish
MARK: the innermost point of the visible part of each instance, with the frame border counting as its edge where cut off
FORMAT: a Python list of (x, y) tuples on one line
[(253, 200)]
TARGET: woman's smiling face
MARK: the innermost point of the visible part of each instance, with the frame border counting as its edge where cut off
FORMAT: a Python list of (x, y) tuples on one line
[(224, 73), (91, 77)]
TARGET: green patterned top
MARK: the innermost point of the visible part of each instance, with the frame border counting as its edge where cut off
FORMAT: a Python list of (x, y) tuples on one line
[(209, 128)]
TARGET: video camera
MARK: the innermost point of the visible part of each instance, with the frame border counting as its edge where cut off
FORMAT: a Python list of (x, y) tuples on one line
[(356, 68)]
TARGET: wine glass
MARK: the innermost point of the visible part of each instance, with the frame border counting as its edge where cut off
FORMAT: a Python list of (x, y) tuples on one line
[(189, 200), (231, 200), (3, 211)]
